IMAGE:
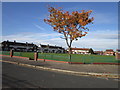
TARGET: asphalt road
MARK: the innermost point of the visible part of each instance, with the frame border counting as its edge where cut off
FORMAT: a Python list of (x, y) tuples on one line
[(14, 76)]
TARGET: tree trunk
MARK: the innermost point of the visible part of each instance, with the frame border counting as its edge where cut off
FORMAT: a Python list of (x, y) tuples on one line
[(70, 51), (68, 44)]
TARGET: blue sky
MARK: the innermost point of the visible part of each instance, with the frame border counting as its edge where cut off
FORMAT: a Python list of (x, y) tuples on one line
[(23, 22)]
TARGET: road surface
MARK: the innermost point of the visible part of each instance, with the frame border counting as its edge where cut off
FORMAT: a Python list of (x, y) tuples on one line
[(15, 76)]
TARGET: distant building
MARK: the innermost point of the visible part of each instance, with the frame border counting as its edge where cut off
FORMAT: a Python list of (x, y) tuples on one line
[(117, 50), (50, 49), (109, 52), (82, 51), (117, 54), (17, 46), (98, 52)]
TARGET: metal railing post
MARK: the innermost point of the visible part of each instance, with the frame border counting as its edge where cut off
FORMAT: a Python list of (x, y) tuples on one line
[(44, 58), (70, 59)]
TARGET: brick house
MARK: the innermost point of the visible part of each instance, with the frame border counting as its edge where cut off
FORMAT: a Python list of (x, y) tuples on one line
[(109, 52), (82, 51)]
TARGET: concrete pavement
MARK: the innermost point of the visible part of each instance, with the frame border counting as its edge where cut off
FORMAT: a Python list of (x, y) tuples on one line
[(108, 71)]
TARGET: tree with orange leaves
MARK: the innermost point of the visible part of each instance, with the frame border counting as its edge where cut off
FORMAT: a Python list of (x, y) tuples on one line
[(71, 25)]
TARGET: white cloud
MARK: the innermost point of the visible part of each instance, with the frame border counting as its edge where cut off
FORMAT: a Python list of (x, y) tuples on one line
[(32, 37), (98, 40), (98, 44), (103, 34), (39, 27)]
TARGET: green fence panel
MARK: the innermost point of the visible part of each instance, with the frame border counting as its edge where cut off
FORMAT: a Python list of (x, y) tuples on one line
[(24, 54), (88, 59), (1, 52), (5, 52), (28, 54), (17, 54), (47, 56), (41, 56), (103, 59), (93, 58), (52, 56), (61, 57), (79, 58)]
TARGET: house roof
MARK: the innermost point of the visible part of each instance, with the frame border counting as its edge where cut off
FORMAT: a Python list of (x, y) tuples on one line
[(52, 46), (118, 50), (18, 43), (86, 49), (109, 50)]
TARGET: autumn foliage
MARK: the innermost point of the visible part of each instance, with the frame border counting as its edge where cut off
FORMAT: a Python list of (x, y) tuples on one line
[(71, 25)]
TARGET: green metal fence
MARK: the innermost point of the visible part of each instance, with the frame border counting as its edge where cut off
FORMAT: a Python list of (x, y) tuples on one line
[(79, 58), (103, 58), (58, 57), (94, 59), (24, 54), (66, 57), (1, 52), (5, 52), (17, 54)]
